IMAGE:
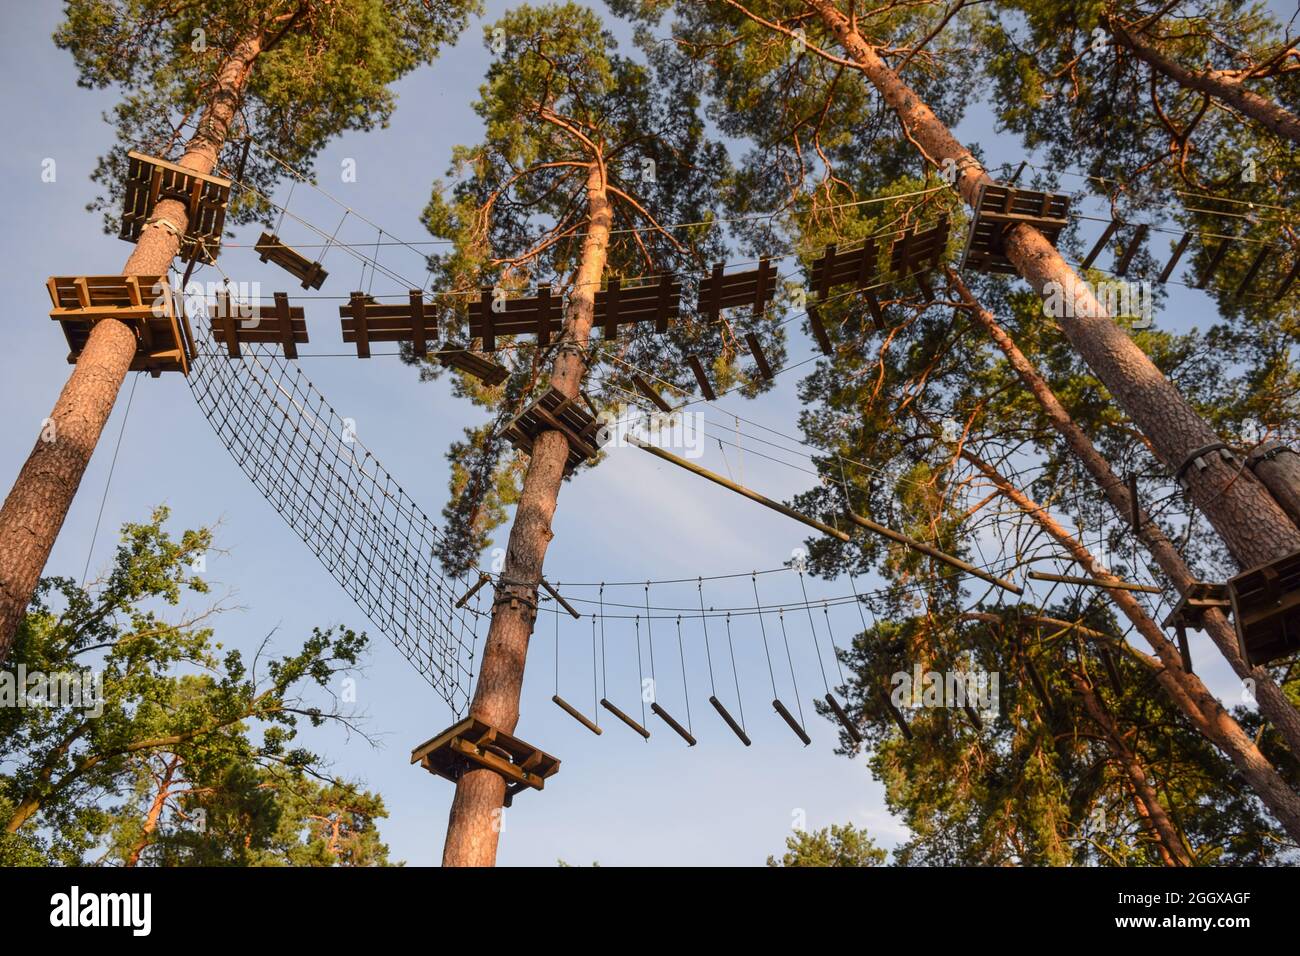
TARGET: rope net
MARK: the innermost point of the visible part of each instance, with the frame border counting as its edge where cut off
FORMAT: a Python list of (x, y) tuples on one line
[(345, 506)]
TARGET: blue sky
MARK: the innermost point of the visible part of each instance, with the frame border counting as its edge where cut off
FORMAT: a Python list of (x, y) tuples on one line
[(617, 799)]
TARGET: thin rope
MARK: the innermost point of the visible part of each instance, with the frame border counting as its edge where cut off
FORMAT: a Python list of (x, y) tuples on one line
[(109, 480), (686, 694), (798, 698), (763, 629), (813, 630), (740, 701), (707, 652)]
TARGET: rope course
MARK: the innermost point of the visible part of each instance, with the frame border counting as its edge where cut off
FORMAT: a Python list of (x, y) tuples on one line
[(376, 542)]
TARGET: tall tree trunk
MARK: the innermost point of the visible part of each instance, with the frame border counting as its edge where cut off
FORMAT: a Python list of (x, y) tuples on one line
[(1186, 690), (1168, 841), (473, 830), (1253, 526), (35, 509), (1273, 702), (1219, 84)]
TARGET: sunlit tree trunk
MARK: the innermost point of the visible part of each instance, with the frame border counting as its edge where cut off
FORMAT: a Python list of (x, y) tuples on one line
[(35, 509), (474, 828), (1246, 516)]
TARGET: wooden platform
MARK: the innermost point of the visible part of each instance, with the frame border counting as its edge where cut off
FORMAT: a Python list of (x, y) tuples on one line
[(554, 412), (310, 274), (1266, 609), (365, 320), (658, 301), (541, 314), (281, 322), (919, 250), (471, 744), (1002, 206), (144, 303), (149, 179), (755, 288), (1200, 597), (455, 356)]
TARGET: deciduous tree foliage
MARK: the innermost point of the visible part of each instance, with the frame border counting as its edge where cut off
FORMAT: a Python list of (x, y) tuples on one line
[(179, 724)]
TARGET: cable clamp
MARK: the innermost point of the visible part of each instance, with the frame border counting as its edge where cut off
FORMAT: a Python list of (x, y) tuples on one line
[(1267, 451), (1197, 457)]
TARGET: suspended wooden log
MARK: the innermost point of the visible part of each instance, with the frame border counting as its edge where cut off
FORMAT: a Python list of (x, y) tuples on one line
[(625, 718), (899, 720), (646, 389), (1115, 585), (849, 726), (819, 330), (1184, 649), (756, 350), (282, 324), (1215, 260), (998, 208), (731, 721), (146, 304), (554, 412), (657, 302), (540, 315), (739, 489), (1112, 672), (1126, 258), (310, 274), (667, 718), (1134, 504), (576, 714), (474, 743), (149, 179), (1248, 280), (701, 378), (935, 553), (791, 722), (1177, 254), (755, 288), (1106, 235), (1290, 278)]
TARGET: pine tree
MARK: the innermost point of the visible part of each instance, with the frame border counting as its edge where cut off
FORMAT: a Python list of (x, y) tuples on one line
[(288, 73)]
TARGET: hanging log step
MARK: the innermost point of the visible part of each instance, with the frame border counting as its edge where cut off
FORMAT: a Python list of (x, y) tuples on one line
[(849, 726), (625, 718), (1266, 609), (472, 743), (730, 721), (149, 179), (455, 356), (668, 719), (281, 324), (998, 208), (576, 714), (146, 304), (554, 412), (310, 274), (793, 724)]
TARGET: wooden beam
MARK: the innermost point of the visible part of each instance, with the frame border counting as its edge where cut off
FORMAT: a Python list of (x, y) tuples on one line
[(701, 378), (359, 319), (649, 392), (793, 724), (1177, 254), (739, 489), (576, 714), (1106, 234), (731, 721), (935, 553), (1116, 585), (668, 719), (419, 333), (625, 718)]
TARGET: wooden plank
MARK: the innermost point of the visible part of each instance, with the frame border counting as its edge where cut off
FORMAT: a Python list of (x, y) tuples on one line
[(756, 350), (1213, 265), (1177, 254), (419, 333), (1249, 278), (625, 718), (611, 306), (284, 320), (576, 714), (668, 719), (489, 335), (359, 306), (819, 330), (1131, 249), (1290, 278), (543, 314), (649, 392), (229, 326), (701, 378)]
